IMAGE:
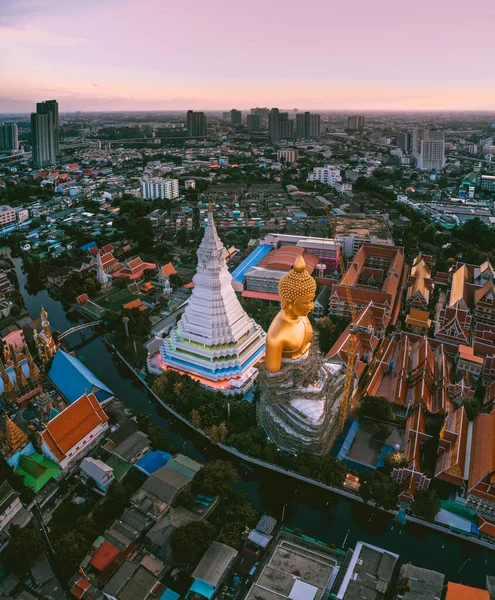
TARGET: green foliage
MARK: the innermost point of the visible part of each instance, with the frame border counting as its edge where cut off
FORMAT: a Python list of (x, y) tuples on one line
[(381, 489), (80, 283), (158, 439), (261, 311), (381, 432), (217, 478), (236, 514), (116, 501), (24, 548), (139, 326), (15, 481), (376, 407), (426, 504), (189, 542)]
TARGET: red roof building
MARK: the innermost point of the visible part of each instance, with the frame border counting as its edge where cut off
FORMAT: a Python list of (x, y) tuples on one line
[(411, 478), (109, 262), (374, 275), (104, 555), (456, 591), (419, 284), (413, 371), (74, 431), (134, 269), (481, 482), (452, 448), (168, 270)]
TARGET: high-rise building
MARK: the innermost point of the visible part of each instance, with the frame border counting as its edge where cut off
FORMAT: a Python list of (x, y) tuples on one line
[(9, 138), (196, 124), (157, 188), (286, 127), (355, 123), (253, 122), (215, 340), (429, 149), (45, 132), (264, 113), (235, 117), (274, 125), (307, 126), (404, 141)]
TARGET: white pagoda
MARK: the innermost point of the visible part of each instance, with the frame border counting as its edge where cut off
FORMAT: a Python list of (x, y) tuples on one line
[(215, 340)]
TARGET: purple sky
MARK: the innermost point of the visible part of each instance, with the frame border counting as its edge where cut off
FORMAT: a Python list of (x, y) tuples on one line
[(317, 54)]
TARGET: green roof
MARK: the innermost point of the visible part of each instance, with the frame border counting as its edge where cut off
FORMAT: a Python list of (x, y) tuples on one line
[(119, 466), (36, 470)]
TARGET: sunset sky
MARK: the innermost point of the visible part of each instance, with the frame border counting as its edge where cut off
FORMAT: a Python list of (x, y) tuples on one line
[(317, 54)]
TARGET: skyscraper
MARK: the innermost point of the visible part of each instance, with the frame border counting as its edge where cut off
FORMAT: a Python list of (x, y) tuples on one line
[(235, 117), (253, 122), (286, 127), (263, 113), (429, 149), (355, 123), (196, 124), (274, 125), (404, 141), (9, 139), (307, 126), (45, 132)]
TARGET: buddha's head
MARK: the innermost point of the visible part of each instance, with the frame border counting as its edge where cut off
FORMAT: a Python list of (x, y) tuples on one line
[(297, 290)]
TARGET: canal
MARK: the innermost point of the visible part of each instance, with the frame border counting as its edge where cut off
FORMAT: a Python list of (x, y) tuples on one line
[(314, 511)]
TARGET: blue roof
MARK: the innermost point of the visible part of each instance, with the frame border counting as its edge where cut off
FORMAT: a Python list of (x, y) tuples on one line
[(252, 260), (152, 461), (73, 379), (202, 588), (169, 594), (88, 246)]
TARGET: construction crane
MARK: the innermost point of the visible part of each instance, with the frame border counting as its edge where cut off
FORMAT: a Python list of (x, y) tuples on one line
[(352, 346)]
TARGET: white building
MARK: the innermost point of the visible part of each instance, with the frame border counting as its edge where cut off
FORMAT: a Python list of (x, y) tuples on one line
[(75, 431), (97, 471), (7, 215), (215, 340), (429, 149), (327, 175), (157, 188), (190, 184)]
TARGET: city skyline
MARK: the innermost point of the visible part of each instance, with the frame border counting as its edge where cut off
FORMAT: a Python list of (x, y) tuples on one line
[(124, 56)]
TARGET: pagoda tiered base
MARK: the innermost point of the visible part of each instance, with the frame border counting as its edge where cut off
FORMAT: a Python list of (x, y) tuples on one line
[(299, 405)]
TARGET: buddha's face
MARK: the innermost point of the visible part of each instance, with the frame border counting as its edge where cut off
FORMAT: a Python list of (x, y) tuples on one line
[(302, 306)]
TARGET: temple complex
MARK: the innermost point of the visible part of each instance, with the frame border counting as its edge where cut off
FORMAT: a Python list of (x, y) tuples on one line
[(215, 341), (301, 393)]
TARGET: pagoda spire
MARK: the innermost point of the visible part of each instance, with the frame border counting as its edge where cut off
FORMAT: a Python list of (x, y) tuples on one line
[(16, 438), (101, 276), (8, 387), (46, 323), (6, 356), (20, 378), (33, 371)]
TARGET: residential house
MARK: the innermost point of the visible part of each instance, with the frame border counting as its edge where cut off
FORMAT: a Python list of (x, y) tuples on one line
[(212, 570), (98, 472)]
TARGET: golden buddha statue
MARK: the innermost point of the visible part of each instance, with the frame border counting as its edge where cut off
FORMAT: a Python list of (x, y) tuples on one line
[(290, 333), (300, 391)]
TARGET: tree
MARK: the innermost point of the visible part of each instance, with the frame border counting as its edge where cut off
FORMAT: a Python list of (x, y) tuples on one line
[(195, 419), (217, 478), (189, 542), (326, 333), (376, 407), (426, 504), (217, 433), (24, 548), (381, 489), (381, 432), (158, 439)]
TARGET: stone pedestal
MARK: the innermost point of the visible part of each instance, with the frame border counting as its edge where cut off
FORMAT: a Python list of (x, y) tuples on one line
[(299, 405)]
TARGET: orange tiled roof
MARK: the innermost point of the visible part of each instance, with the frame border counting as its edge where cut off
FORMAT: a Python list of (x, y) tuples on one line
[(456, 591), (482, 466), (486, 527), (73, 424), (452, 448), (169, 269), (457, 288), (137, 303), (418, 318)]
